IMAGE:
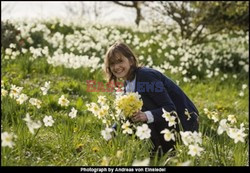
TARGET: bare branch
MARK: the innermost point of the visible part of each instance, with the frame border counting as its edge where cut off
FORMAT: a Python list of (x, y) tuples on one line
[(136, 5), (124, 5)]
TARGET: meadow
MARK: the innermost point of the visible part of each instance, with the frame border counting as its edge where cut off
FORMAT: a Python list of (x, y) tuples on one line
[(46, 118)]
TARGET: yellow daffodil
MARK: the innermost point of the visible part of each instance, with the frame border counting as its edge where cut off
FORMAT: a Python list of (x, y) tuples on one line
[(129, 104)]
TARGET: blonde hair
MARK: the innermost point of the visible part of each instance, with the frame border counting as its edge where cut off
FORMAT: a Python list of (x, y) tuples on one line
[(113, 55)]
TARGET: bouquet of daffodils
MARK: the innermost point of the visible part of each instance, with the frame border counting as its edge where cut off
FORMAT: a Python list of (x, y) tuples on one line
[(121, 110), (128, 104)]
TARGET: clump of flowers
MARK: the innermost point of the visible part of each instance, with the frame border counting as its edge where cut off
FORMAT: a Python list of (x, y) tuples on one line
[(237, 134), (101, 110), (193, 140), (35, 102), (170, 119), (212, 115), (129, 104)]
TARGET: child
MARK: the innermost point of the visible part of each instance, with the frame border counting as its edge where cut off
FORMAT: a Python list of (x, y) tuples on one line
[(157, 92)]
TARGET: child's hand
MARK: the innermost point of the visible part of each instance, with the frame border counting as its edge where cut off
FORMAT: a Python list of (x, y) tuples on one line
[(139, 117)]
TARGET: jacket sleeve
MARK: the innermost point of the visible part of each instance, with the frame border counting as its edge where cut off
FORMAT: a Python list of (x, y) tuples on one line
[(161, 98)]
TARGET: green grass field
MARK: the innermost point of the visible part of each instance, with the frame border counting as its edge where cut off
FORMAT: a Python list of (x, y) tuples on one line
[(78, 141)]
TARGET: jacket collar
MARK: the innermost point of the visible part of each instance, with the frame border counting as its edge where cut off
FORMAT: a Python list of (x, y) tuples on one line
[(136, 79)]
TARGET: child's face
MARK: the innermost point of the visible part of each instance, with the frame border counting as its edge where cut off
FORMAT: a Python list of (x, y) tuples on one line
[(120, 67)]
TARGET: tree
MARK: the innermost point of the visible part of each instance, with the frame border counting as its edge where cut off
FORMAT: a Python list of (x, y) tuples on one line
[(194, 17), (137, 5), (229, 15)]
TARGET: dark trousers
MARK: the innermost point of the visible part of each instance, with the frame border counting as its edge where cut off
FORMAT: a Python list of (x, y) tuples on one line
[(161, 146)]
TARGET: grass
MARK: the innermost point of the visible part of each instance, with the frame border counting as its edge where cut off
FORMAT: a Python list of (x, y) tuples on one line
[(78, 142)]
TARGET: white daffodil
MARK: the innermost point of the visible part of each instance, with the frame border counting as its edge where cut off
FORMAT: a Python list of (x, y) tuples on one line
[(105, 161), (27, 118), (215, 116), (119, 154), (195, 150), (24, 50), (7, 139), (244, 86), (185, 79), (94, 108), (126, 128), (242, 126), (102, 100), (12, 45), (35, 102), (189, 137), (194, 77), (186, 163), (197, 137), (2, 83), (237, 134), (205, 110), (241, 94), (22, 98), (187, 114), (104, 121), (143, 132), (107, 133), (186, 137), (8, 51), (166, 115), (144, 162), (4, 92), (15, 91), (172, 121), (45, 88), (222, 127), (102, 113), (63, 101), (168, 135), (48, 121), (73, 113), (34, 125), (232, 119), (31, 124), (118, 94)]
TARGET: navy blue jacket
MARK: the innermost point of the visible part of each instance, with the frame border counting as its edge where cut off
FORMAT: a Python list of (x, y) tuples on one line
[(167, 95), (158, 91)]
